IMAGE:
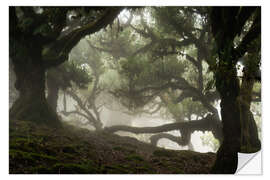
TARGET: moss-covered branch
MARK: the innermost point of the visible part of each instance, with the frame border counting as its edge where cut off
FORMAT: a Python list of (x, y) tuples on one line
[(204, 124)]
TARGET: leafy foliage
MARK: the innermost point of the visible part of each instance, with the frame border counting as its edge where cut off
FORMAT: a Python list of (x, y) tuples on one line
[(209, 140)]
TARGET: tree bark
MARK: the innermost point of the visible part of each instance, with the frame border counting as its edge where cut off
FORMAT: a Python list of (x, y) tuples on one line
[(205, 124), (30, 72), (184, 140), (250, 142), (228, 86), (52, 96), (226, 24)]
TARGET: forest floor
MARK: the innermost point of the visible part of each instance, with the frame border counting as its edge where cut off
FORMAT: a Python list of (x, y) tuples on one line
[(35, 149)]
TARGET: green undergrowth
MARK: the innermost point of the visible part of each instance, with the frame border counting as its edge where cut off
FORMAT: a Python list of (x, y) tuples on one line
[(36, 149)]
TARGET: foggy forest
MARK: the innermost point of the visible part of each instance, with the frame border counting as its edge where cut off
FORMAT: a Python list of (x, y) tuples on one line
[(133, 90)]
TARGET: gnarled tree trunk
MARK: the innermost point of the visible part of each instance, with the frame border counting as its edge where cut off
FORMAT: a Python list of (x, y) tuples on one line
[(31, 104), (226, 24), (228, 86)]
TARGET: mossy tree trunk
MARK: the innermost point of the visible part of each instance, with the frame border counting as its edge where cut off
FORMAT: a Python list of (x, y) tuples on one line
[(227, 157), (30, 72), (250, 142), (239, 127), (226, 24)]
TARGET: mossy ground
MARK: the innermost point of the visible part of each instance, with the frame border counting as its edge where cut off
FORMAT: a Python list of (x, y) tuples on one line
[(37, 149)]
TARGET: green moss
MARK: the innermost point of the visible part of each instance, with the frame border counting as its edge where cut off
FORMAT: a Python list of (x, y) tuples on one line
[(67, 156), (29, 157), (129, 145), (186, 155), (65, 168), (28, 144), (68, 149), (144, 168), (118, 148), (41, 170), (196, 159), (62, 168), (21, 157), (21, 139), (16, 143), (115, 169), (178, 171), (124, 150), (37, 149), (43, 157), (163, 153), (134, 157)]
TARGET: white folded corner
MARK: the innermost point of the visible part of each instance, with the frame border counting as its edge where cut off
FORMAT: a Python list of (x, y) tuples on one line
[(249, 163)]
